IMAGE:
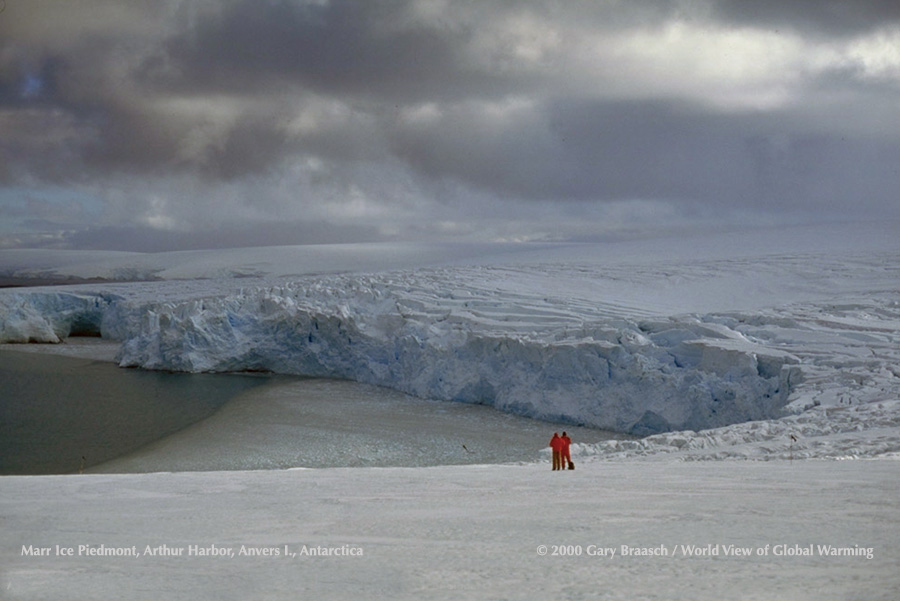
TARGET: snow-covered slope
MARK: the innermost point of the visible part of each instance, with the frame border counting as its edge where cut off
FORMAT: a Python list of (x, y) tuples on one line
[(679, 335)]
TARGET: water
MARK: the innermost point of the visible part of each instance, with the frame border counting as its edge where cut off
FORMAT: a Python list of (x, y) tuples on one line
[(59, 413), (137, 421)]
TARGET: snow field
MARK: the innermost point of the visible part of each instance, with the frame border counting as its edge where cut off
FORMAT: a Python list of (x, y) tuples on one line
[(453, 532)]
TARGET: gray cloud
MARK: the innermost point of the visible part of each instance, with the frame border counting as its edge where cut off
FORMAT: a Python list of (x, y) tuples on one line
[(822, 17), (336, 48), (203, 122), (660, 149)]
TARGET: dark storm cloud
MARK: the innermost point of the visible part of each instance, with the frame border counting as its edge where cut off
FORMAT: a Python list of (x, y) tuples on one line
[(257, 52), (379, 50), (362, 111), (824, 17), (23, 85), (335, 48), (653, 149)]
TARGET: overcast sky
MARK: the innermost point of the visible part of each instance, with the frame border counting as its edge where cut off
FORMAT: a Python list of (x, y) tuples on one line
[(177, 124)]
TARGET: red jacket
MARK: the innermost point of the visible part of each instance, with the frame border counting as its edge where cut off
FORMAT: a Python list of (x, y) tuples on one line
[(556, 443), (564, 447)]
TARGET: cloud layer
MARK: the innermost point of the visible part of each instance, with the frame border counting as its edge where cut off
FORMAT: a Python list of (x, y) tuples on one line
[(186, 123)]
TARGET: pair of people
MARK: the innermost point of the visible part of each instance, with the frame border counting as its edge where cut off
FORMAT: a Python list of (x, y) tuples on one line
[(561, 455)]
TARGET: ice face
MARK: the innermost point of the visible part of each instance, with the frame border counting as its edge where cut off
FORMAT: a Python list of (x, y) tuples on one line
[(51, 316), (621, 376)]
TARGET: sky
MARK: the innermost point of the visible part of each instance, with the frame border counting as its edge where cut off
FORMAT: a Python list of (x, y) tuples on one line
[(180, 124)]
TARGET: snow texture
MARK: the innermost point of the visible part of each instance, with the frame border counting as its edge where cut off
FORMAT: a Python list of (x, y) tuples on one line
[(461, 532)]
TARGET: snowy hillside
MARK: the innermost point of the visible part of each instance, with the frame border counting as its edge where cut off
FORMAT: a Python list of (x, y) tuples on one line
[(638, 338)]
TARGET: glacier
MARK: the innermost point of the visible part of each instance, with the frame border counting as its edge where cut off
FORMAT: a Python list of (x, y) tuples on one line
[(575, 334), (630, 377), (51, 317), (635, 376)]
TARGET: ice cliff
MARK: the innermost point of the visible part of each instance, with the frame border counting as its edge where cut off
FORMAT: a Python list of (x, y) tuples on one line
[(527, 355), (51, 316)]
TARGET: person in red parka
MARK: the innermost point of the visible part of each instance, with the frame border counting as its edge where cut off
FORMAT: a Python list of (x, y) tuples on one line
[(565, 458), (556, 446)]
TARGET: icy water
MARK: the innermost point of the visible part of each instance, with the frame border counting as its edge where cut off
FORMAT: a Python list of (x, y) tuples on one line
[(55, 410)]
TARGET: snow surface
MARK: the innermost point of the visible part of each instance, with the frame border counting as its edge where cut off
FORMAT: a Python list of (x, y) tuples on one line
[(279, 261), (462, 532)]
